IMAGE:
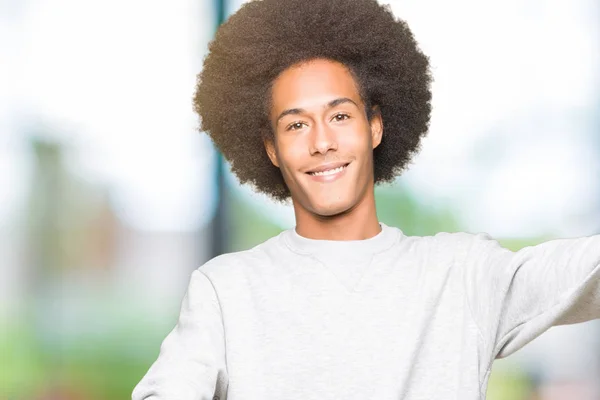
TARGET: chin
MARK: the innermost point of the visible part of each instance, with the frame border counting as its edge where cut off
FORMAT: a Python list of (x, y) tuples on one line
[(330, 209)]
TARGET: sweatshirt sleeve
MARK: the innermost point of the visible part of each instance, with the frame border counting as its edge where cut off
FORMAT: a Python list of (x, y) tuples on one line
[(192, 356), (516, 296)]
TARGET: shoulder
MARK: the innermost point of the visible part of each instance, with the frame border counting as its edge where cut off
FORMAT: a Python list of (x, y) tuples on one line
[(459, 237), (232, 264), (456, 241), (464, 240), (462, 245)]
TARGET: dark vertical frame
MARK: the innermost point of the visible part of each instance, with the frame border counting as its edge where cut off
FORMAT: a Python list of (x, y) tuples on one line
[(220, 224)]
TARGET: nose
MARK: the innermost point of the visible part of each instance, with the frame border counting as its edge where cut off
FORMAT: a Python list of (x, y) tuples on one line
[(322, 139)]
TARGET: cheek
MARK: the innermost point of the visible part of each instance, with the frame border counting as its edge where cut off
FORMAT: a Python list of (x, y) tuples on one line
[(291, 159), (356, 143)]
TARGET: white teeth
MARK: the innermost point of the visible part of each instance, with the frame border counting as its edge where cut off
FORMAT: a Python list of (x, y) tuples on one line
[(328, 172)]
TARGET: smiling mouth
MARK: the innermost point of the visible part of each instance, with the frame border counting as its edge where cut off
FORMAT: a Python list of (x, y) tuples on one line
[(329, 171)]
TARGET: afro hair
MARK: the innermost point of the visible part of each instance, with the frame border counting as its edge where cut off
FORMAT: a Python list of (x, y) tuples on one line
[(265, 37)]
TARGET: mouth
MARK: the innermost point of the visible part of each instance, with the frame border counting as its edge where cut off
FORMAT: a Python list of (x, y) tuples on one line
[(330, 174)]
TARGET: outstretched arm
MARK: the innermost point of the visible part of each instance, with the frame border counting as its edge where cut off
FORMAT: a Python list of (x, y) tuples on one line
[(516, 296), (192, 356)]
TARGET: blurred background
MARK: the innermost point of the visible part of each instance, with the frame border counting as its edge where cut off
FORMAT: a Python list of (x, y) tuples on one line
[(109, 197)]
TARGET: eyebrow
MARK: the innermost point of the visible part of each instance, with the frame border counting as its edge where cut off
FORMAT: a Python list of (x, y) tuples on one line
[(329, 105)]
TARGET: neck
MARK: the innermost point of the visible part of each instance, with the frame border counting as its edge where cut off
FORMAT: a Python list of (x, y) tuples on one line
[(358, 223)]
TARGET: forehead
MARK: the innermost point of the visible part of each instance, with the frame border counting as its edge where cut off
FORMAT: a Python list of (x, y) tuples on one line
[(313, 84)]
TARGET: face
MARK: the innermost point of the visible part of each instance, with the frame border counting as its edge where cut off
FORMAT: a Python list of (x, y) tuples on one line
[(319, 122)]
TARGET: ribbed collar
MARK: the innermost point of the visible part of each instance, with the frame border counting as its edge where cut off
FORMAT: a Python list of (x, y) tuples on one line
[(341, 250)]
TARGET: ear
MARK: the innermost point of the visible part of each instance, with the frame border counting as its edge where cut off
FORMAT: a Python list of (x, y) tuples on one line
[(270, 148), (376, 126)]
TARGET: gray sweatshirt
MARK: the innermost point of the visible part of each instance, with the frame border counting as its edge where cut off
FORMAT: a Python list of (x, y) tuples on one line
[(392, 317)]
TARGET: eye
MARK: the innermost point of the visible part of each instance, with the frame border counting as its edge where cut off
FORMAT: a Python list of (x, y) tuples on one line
[(341, 117), (294, 126)]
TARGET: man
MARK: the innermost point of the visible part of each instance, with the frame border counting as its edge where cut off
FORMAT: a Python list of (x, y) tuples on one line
[(317, 101)]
